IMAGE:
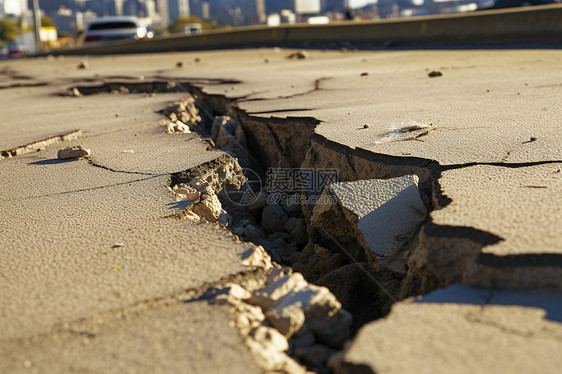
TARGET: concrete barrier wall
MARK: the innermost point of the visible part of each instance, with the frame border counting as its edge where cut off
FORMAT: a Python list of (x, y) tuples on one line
[(538, 24)]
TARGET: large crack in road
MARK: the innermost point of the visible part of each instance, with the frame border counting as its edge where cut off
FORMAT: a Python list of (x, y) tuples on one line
[(281, 315)]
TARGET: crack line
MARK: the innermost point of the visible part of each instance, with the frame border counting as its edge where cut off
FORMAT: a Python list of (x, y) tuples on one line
[(87, 189)]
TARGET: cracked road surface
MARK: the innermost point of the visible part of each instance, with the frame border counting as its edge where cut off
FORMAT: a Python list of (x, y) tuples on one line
[(75, 298)]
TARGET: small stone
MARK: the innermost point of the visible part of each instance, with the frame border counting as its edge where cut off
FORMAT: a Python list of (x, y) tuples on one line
[(258, 204), (366, 126), (276, 235), (291, 224), (274, 218), (291, 206), (364, 74), (317, 355), (250, 234), (73, 153), (300, 55), (334, 361), (300, 233), (286, 252), (278, 243), (266, 60), (76, 92), (84, 65), (179, 64), (197, 59), (238, 230), (434, 74)]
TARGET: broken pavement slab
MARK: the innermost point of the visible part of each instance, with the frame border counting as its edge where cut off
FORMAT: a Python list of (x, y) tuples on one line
[(516, 244), (381, 215), (462, 330)]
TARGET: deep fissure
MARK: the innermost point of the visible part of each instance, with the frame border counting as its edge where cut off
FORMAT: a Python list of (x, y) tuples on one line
[(366, 285)]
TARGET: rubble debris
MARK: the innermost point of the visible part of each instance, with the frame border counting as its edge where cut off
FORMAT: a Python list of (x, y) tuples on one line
[(177, 126), (183, 110), (365, 74), (83, 65), (274, 218), (434, 74), (73, 153), (287, 315), (300, 55), (200, 187)]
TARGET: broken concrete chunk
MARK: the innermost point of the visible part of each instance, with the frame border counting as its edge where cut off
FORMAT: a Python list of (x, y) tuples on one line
[(233, 295), (266, 297), (387, 209), (184, 110), (386, 213), (287, 320), (73, 153), (177, 126), (268, 347), (185, 192), (290, 302), (257, 256), (208, 208), (324, 316), (274, 218)]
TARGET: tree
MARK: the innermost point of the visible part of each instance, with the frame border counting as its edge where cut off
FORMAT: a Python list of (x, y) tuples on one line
[(8, 30), (47, 22)]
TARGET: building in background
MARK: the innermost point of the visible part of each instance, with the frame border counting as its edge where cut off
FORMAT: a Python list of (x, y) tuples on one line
[(303, 7), (14, 8), (253, 11), (178, 8), (163, 10)]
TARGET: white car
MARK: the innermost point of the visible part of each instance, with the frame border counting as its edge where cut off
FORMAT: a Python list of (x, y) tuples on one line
[(108, 29)]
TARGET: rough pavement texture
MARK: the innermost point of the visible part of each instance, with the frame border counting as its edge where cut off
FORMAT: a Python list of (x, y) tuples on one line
[(484, 138), (463, 330)]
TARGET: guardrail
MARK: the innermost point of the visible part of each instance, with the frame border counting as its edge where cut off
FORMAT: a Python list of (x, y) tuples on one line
[(537, 24)]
